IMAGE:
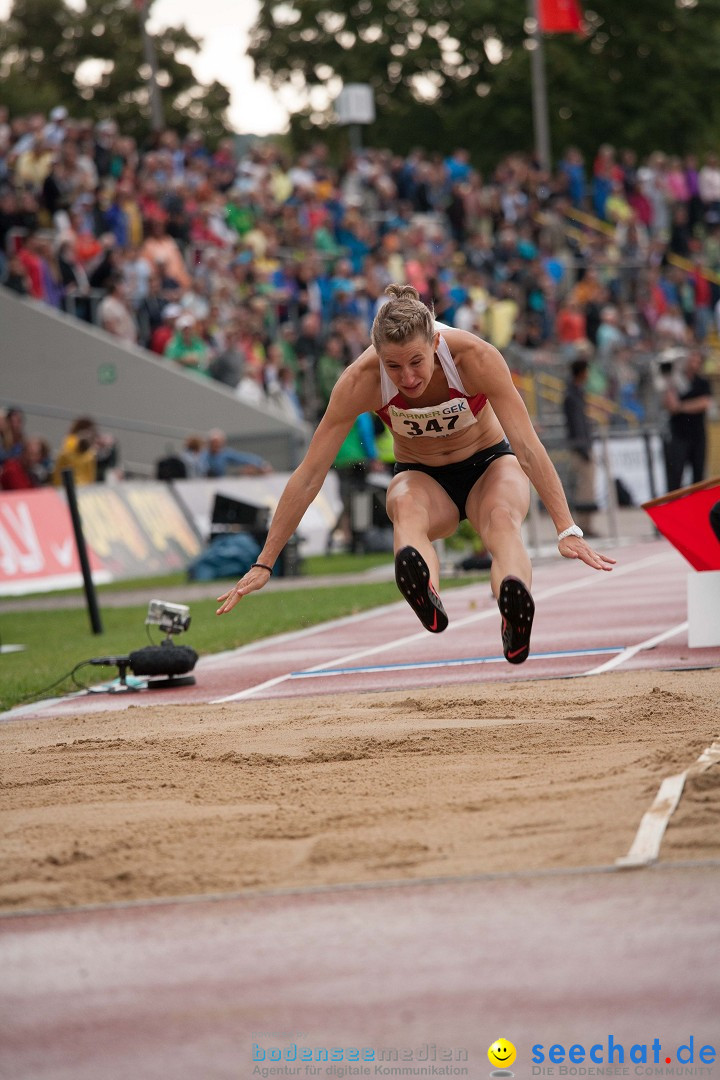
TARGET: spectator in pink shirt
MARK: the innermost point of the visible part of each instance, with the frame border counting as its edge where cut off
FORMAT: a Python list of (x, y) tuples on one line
[(162, 252)]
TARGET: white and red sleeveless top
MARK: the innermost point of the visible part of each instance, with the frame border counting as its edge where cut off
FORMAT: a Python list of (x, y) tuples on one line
[(433, 421)]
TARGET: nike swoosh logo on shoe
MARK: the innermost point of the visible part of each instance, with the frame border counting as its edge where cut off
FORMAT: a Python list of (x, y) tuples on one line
[(413, 579), (517, 610)]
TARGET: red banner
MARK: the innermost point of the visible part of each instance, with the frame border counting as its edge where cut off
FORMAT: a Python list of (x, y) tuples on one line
[(37, 544), (560, 17), (684, 519), (132, 531)]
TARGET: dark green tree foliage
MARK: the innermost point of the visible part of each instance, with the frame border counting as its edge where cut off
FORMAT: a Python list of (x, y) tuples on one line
[(45, 42), (644, 75)]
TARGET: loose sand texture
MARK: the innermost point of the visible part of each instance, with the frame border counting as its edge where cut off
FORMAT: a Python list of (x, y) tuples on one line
[(169, 801)]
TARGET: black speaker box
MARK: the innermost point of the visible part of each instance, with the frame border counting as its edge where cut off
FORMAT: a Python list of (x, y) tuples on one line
[(234, 515), (236, 512)]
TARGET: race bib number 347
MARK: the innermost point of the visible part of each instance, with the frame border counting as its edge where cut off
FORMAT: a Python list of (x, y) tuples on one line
[(434, 421)]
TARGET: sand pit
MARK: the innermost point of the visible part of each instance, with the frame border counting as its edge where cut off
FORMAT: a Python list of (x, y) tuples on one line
[(273, 794)]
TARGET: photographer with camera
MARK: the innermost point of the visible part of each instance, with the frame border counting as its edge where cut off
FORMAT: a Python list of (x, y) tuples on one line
[(687, 396), (91, 455), (78, 453)]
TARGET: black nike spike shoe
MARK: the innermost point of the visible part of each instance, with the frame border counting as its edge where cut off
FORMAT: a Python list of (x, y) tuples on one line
[(413, 580), (517, 609)]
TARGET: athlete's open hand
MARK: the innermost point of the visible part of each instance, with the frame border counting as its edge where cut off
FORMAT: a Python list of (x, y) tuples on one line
[(255, 578), (574, 547)]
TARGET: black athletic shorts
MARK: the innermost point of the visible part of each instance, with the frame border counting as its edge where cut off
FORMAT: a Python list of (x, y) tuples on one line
[(458, 478)]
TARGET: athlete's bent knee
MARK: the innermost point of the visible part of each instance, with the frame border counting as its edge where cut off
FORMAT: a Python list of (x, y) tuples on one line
[(502, 519), (405, 506)]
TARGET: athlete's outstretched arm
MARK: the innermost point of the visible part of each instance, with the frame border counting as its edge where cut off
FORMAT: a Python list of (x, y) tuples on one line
[(348, 400), (486, 370)]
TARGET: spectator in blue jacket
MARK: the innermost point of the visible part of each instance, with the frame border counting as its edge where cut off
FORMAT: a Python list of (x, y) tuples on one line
[(219, 459)]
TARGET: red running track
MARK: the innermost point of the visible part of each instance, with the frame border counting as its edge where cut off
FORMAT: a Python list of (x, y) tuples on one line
[(632, 617), (183, 991)]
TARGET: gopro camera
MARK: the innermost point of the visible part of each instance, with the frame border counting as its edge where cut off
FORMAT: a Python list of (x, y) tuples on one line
[(172, 618)]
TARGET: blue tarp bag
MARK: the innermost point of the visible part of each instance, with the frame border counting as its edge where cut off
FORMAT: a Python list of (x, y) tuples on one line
[(228, 556)]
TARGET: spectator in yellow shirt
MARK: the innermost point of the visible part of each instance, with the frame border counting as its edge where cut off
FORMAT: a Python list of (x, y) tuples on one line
[(78, 453)]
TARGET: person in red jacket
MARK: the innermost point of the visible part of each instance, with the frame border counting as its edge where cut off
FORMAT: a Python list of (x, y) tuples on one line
[(29, 469)]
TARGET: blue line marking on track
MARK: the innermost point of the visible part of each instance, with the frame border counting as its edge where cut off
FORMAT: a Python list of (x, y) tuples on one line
[(414, 665)]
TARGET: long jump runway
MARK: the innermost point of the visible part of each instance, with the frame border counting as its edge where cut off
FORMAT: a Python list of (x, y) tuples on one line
[(586, 622), (399, 979)]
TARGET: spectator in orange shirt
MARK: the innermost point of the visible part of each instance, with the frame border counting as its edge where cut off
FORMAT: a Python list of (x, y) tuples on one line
[(589, 290)]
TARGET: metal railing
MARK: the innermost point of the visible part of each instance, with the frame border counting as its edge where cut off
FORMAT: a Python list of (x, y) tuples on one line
[(540, 532), (540, 389), (595, 223)]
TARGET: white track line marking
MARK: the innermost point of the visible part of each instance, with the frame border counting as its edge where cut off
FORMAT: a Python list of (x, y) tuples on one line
[(489, 613), (318, 667), (628, 653), (709, 757), (250, 690), (646, 845), (324, 673), (294, 635)]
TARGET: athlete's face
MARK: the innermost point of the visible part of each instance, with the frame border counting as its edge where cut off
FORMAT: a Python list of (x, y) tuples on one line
[(411, 364)]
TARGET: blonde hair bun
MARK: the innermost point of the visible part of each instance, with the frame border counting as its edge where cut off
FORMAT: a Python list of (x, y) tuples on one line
[(402, 317), (402, 292)]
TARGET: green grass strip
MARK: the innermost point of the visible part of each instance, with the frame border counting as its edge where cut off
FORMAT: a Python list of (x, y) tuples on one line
[(56, 641)]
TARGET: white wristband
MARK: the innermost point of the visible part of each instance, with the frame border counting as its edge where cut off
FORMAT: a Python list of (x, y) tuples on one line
[(573, 530)]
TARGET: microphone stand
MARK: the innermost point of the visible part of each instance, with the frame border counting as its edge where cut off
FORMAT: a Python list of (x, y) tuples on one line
[(122, 686)]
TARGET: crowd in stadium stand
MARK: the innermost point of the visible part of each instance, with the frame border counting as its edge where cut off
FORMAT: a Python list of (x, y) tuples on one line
[(265, 272), (93, 456)]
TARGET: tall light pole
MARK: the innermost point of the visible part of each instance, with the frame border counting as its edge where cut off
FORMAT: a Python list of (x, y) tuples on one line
[(541, 126), (157, 113)]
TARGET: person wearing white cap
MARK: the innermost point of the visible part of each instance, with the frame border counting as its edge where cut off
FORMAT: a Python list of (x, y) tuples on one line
[(55, 131), (162, 334), (186, 346)]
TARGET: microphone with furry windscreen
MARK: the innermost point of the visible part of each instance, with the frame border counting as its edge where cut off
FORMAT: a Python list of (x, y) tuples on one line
[(165, 665), (166, 659)]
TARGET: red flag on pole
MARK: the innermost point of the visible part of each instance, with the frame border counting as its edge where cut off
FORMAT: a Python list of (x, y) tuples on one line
[(683, 517), (560, 16)]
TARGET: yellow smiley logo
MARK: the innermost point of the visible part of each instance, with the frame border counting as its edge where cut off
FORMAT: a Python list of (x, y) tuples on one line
[(502, 1054)]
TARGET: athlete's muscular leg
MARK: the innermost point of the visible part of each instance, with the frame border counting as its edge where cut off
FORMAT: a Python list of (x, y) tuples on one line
[(420, 512), (496, 508)]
